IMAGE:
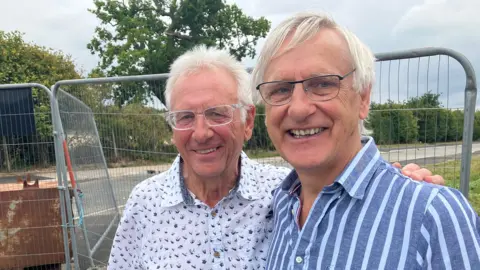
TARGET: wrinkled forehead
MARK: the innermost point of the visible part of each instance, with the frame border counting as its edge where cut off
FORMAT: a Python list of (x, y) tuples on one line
[(204, 88), (324, 49), (325, 37)]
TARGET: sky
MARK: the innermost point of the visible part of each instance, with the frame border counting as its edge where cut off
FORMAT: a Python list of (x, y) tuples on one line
[(384, 25)]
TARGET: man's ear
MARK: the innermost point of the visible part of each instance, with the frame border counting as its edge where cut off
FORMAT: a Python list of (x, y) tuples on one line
[(249, 122), (365, 102)]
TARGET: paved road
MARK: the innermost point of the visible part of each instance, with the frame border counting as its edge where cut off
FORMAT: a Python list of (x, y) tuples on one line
[(426, 155)]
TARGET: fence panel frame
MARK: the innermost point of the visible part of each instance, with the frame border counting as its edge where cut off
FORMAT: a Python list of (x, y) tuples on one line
[(469, 103), (60, 135), (63, 190)]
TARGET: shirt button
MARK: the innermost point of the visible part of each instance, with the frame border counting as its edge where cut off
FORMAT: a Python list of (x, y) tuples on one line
[(299, 259), (216, 254), (214, 214)]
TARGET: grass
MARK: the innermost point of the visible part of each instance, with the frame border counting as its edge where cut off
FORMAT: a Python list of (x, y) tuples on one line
[(261, 154), (451, 173)]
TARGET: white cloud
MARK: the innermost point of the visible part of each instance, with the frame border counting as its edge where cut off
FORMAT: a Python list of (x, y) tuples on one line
[(64, 25), (384, 25), (441, 21), (451, 24)]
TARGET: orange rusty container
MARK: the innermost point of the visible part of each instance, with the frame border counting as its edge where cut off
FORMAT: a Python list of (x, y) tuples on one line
[(30, 225)]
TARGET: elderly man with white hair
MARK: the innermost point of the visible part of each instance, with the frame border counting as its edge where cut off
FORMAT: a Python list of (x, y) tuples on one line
[(343, 206)]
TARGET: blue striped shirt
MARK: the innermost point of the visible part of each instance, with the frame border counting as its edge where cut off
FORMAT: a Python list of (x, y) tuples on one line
[(373, 217)]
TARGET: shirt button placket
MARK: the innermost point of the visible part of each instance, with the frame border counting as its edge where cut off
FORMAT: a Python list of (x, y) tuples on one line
[(298, 259), (216, 238), (298, 263)]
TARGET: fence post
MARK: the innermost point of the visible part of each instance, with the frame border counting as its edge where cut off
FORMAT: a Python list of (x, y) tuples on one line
[(62, 175), (5, 152)]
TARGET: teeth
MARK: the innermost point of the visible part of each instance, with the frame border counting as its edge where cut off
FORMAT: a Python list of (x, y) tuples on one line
[(305, 132), (206, 151)]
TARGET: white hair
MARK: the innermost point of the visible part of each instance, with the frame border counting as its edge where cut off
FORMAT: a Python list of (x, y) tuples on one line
[(201, 57), (305, 26)]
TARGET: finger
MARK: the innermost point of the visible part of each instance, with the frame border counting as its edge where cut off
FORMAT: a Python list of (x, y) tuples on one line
[(411, 167), (423, 173), (416, 176), (435, 179), (407, 173), (397, 165)]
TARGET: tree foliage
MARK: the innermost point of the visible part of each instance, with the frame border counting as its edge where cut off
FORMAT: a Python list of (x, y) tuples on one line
[(23, 62), (476, 126), (134, 127), (419, 119), (26, 62), (392, 123), (145, 36), (260, 139)]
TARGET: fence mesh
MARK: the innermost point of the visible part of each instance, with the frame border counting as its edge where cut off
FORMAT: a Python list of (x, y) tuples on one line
[(30, 217), (95, 206), (416, 116), (417, 113)]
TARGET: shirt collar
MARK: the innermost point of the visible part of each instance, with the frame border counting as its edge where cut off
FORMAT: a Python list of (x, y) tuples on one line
[(250, 187), (246, 185), (173, 196), (356, 175)]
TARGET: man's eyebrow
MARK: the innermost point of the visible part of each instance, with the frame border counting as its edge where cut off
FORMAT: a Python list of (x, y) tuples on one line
[(312, 75)]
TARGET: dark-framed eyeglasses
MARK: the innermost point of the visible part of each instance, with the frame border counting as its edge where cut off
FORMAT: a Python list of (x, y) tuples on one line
[(215, 116), (318, 88)]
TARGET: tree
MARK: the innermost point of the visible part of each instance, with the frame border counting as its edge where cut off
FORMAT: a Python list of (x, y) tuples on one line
[(260, 139), (135, 127), (23, 62), (431, 117), (476, 126), (391, 123), (145, 36)]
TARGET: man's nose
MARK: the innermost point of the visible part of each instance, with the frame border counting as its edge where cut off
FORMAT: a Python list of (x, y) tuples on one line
[(201, 130), (300, 106)]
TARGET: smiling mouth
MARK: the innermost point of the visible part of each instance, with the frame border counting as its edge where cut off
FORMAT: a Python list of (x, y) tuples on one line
[(207, 151), (303, 133)]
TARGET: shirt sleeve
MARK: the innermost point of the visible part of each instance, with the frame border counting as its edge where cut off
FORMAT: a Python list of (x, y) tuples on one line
[(450, 233), (125, 251)]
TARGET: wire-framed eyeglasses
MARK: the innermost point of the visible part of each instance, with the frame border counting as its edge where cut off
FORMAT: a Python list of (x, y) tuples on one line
[(318, 88), (215, 116)]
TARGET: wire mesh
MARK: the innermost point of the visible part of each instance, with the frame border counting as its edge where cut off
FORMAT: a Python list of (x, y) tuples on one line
[(95, 206), (26, 133), (417, 113), (30, 217), (116, 141)]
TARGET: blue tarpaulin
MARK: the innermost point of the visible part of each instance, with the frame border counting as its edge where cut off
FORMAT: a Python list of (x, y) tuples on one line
[(16, 112)]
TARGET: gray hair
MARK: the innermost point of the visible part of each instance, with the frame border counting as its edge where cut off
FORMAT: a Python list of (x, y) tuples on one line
[(207, 57), (305, 26)]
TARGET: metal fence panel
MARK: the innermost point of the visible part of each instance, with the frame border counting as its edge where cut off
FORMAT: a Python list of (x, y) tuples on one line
[(113, 146), (424, 108), (32, 208), (95, 205), (118, 145)]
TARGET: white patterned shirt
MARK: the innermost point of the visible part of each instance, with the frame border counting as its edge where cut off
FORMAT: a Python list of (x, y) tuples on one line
[(165, 227)]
